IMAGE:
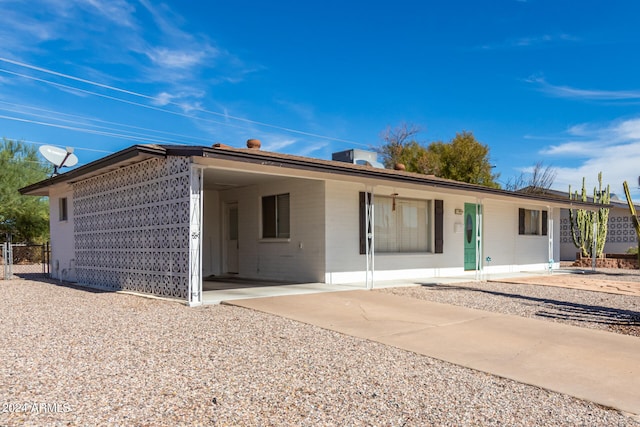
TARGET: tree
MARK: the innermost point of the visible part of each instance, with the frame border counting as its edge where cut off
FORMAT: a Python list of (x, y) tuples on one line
[(465, 159), (462, 159), (401, 147), (583, 221), (26, 218), (538, 180)]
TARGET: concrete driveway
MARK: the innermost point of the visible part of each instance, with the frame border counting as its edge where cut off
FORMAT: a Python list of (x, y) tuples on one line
[(594, 365)]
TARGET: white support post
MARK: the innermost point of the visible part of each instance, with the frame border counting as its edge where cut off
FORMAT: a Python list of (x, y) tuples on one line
[(594, 246), (4, 261), (8, 271), (195, 234), (7, 259), (370, 236), (479, 245), (550, 237)]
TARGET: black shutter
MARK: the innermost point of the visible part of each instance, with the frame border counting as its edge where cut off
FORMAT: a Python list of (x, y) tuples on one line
[(269, 217), (545, 223), (439, 226), (363, 224), (520, 221)]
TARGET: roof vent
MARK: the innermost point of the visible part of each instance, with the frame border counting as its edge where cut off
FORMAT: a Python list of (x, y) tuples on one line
[(358, 157)]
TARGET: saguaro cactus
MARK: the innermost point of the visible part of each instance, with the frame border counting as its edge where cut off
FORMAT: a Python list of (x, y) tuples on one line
[(582, 220)]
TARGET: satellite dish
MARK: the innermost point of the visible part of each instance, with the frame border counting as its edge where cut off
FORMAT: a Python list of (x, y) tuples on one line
[(59, 157)]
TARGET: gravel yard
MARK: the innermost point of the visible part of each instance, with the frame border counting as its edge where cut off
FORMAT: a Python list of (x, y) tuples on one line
[(77, 357), (598, 310)]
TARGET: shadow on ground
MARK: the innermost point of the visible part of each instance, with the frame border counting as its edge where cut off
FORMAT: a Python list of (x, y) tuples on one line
[(223, 283), (42, 278), (556, 309)]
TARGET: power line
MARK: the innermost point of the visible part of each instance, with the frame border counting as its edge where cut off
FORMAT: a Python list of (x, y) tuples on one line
[(80, 123), (61, 146), (94, 119), (156, 99), (71, 88), (89, 131), (137, 104)]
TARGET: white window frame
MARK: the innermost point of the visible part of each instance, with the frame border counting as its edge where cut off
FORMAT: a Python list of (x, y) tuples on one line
[(282, 220), (530, 223), (403, 225), (63, 209)]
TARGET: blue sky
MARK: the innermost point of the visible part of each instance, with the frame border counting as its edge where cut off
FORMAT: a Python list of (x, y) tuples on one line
[(536, 80)]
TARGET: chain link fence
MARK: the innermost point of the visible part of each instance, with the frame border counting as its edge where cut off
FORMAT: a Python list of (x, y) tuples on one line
[(24, 261)]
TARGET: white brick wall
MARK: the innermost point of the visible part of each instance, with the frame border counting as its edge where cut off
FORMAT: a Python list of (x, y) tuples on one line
[(299, 258), (508, 251), (61, 235)]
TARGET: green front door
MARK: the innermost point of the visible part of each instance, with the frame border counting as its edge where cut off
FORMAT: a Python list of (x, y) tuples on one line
[(470, 241)]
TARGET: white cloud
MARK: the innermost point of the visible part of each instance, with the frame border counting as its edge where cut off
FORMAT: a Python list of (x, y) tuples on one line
[(277, 143), (188, 107), (176, 58), (284, 143), (313, 149), (163, 99), (578, 130), (559, 91), (176, 48), (572, 148), (162, 51), (617, 165), (117, 11), (304, 111), (4, 81), (628, 129), (166, 20), (532, 41), (611, 148)]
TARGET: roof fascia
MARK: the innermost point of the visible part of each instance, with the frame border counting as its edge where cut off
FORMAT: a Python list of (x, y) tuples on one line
[(372, 173), (292, 162), (142, 151)]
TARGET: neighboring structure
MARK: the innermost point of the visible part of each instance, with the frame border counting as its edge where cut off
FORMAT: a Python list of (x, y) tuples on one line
[(621, 235), (157, 219)]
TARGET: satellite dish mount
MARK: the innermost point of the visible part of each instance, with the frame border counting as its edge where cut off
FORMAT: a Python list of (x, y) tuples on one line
[(59, 157)]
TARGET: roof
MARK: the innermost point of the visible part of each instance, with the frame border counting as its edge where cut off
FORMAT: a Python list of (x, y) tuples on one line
[(614, 201), (138, 153), (119, 159)]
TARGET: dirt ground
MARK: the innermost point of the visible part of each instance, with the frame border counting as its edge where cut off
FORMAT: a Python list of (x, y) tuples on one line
[(621, 282)]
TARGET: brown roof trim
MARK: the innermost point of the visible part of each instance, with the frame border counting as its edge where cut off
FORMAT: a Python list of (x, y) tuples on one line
[(331, 166), (564, 195), (288, 161), (143, 151)]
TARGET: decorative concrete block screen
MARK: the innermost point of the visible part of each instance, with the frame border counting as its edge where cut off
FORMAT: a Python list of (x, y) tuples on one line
[(131, 228), (620, 230)]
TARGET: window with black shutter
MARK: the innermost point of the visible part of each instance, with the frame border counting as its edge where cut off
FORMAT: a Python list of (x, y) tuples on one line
[(402, 225), (532, 222)]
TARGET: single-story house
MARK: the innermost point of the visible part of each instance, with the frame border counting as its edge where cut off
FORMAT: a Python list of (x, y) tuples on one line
[(158, 219)]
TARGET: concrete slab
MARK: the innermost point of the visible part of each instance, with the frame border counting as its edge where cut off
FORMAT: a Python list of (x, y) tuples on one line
[(221, 290), (232, 288), (246, 292), (589, 364)]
